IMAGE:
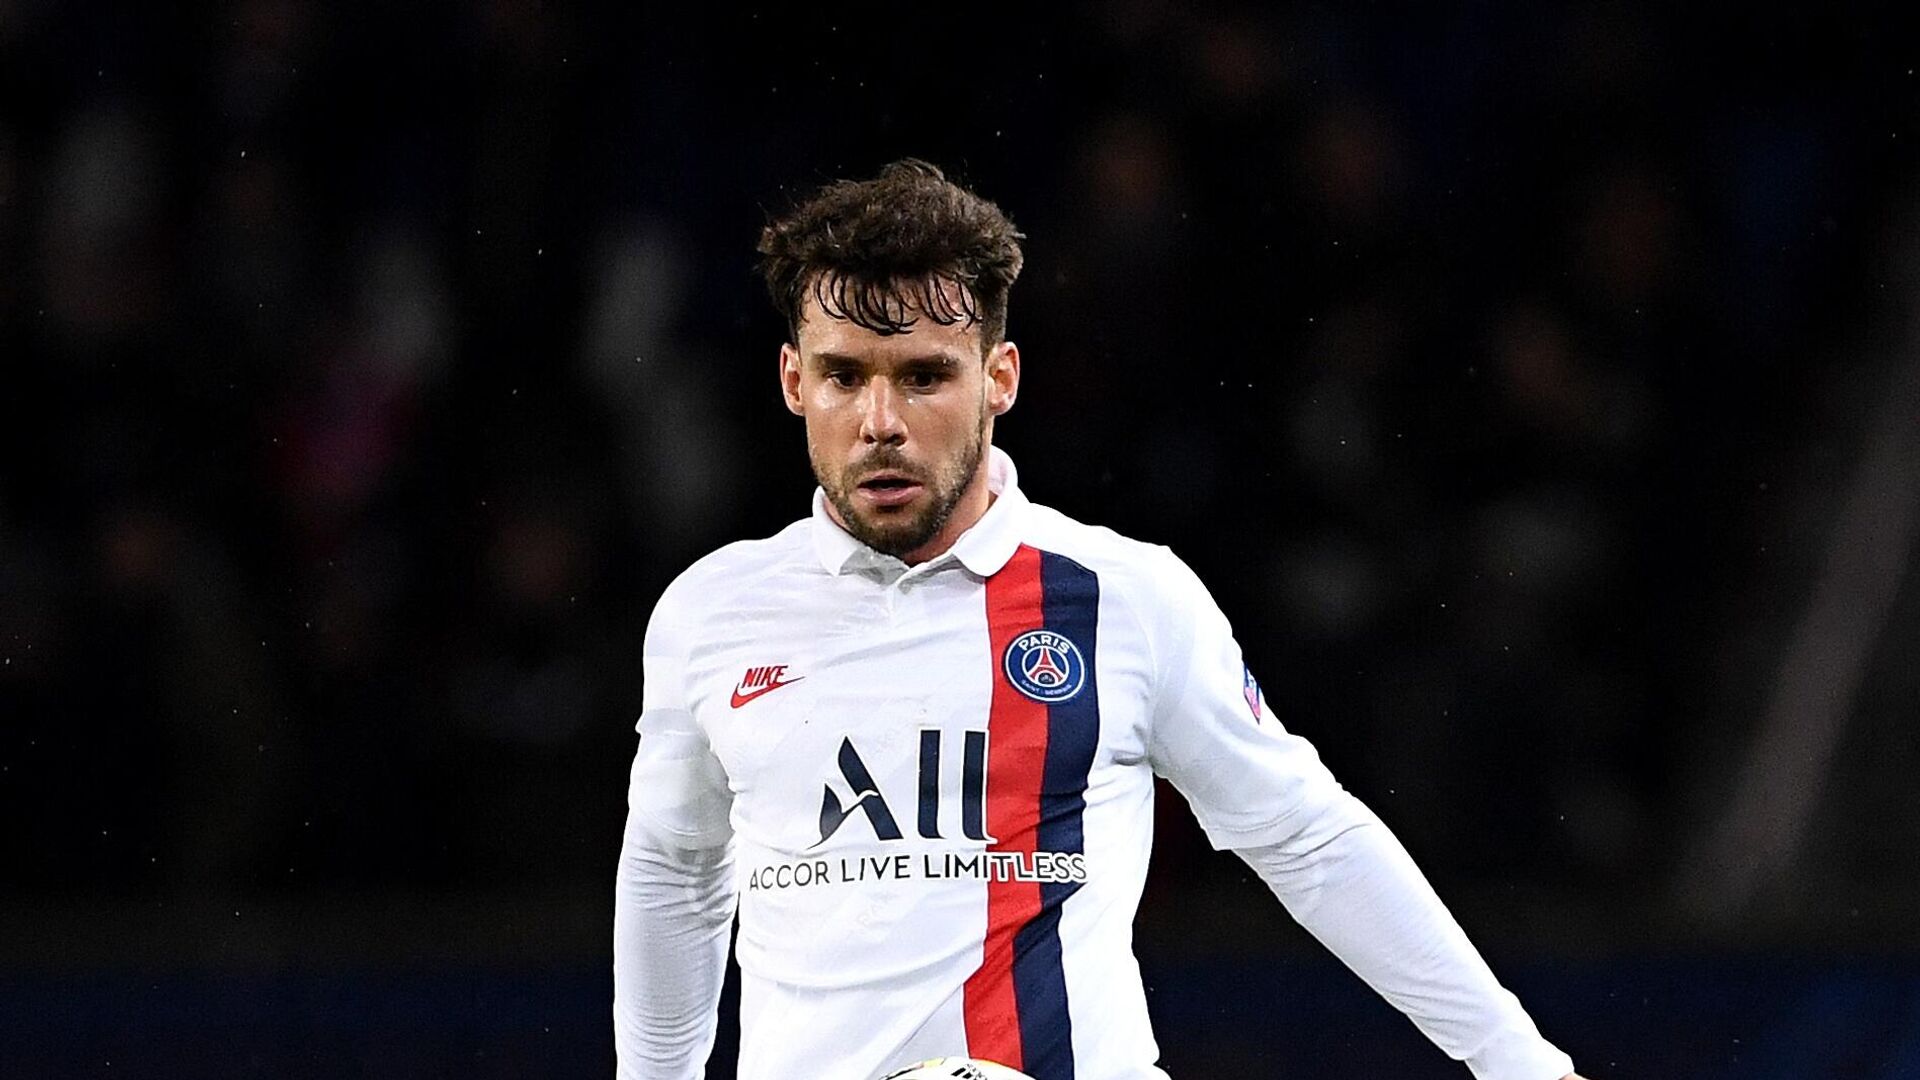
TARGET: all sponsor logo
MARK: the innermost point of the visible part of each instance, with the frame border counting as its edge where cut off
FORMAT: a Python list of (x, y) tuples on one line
[(855, 794), (865, 796)]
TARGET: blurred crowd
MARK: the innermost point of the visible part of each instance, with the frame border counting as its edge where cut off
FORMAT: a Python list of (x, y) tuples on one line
[(368, 371)]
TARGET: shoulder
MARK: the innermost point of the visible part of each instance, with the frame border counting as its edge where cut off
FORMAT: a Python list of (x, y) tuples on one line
[(703, 589), (1136, 567), (1149, 579)]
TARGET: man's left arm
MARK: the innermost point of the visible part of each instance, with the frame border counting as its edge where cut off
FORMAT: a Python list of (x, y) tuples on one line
[(1263, 793), (1350, 883)]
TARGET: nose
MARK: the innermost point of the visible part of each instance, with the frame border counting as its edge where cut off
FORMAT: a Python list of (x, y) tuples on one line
[(880, 419)]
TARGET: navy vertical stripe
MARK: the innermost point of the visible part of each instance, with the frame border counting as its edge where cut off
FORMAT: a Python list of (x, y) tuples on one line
[(1071, 607)]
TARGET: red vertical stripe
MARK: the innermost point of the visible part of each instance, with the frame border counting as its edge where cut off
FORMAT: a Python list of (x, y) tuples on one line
[(1016, 765)]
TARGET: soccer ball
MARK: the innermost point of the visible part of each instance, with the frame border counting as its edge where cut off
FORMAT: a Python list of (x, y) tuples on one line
[(957, 1068)]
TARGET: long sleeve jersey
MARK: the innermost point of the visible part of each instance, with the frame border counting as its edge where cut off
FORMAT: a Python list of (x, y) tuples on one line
[(926, 793)]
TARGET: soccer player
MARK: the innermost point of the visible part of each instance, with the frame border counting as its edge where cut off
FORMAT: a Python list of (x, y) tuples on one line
[(912, 738)]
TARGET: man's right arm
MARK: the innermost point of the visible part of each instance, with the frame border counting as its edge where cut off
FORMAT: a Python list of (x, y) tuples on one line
[(672, 909), (674, 890)]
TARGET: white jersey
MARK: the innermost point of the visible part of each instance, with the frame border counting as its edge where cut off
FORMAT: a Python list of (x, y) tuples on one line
[(936, 782)]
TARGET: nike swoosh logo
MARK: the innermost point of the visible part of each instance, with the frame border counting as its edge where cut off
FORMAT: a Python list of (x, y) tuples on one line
[(740, 699)]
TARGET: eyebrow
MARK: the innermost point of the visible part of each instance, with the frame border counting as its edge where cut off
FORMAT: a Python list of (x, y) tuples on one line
[(941, 359)]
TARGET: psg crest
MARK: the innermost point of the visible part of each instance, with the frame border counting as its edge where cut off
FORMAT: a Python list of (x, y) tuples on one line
[(1045, 666)]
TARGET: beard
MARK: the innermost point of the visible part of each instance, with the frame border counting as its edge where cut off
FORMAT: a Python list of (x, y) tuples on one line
[(898, 532)]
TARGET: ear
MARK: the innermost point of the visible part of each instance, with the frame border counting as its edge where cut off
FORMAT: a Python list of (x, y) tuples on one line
[(790, 379), (1003, 377)]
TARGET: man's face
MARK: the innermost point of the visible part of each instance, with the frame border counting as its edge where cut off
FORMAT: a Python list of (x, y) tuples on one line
[(898, 425)]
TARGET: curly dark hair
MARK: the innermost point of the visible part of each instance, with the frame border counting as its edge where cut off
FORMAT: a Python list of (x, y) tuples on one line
[(877, 252)]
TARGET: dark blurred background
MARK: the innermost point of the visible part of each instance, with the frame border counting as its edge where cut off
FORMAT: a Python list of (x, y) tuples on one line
[(1537, 389)]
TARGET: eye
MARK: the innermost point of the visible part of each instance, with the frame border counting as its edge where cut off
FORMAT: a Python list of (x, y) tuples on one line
[(922, 380), (843, 378)]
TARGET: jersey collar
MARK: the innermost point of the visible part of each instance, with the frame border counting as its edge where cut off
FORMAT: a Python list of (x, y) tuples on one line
[(983, 549)]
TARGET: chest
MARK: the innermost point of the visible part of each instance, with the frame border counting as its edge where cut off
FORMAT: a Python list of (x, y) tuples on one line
[(907, 699)]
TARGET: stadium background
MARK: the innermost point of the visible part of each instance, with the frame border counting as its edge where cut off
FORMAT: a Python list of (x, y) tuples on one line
[(1536, 389)]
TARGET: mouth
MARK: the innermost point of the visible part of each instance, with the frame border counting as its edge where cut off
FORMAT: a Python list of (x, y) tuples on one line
[(888, 489)]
